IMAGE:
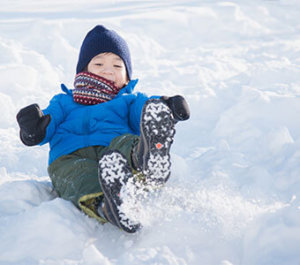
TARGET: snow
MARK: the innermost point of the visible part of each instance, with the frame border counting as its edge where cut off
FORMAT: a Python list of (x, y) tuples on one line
[(233, 197)]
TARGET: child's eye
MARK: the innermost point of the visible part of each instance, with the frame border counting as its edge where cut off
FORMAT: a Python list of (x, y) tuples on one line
[(118, 66), (99, 64)]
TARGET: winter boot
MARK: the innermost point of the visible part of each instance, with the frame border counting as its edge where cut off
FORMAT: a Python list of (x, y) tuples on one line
[(151, 155), (114, 174)]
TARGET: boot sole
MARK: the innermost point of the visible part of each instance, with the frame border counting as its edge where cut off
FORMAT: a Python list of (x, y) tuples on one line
[(114, 173), (157, 133)]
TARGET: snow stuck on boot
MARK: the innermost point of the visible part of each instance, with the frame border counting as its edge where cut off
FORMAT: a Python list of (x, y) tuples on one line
[(157, 132), (114, 174)]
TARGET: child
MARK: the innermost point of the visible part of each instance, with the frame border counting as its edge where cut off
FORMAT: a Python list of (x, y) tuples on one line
[(101, 134)]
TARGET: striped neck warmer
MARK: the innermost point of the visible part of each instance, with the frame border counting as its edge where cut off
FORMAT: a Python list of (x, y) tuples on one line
[(91, 89)]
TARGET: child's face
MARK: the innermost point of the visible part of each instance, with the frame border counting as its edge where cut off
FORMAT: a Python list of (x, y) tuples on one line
[(109, 66)]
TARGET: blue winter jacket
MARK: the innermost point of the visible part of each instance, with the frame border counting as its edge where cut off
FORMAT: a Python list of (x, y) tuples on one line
[(74, 126)]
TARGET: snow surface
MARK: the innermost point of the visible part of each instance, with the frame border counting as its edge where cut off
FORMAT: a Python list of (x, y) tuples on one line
[(234, 196)]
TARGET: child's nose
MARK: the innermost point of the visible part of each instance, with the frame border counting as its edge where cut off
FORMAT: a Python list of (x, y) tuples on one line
[(107, 70)]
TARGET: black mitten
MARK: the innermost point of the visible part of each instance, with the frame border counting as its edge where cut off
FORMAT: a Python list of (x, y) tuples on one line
[(179, 107), (33, 124)]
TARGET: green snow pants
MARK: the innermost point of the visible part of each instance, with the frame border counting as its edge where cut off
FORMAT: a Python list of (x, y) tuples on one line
[(75, 176)]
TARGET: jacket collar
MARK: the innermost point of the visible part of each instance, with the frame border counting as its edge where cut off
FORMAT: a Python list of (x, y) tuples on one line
[(128, 89)]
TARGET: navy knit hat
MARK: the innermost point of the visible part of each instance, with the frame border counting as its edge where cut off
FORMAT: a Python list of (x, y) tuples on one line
[(99, 40)]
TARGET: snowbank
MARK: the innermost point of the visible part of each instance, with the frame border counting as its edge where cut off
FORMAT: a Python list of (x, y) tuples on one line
[(234, 193)]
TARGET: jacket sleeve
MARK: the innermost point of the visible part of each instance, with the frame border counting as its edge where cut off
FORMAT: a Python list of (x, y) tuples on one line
[(135, 111), (57, 114)]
